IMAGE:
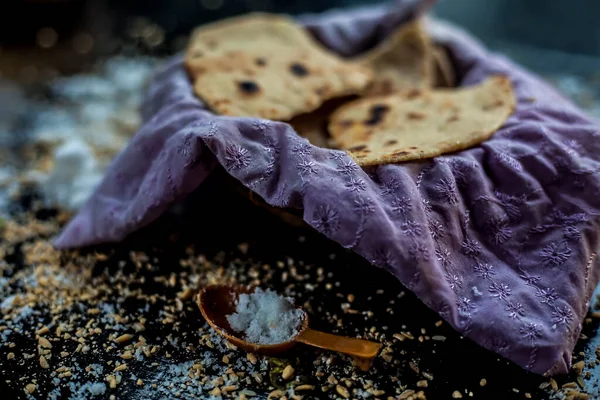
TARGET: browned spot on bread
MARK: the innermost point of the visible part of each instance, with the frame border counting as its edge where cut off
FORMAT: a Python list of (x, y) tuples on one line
[(400, 153), (413, 93), (298, 69), (261, 61), (390, 142), (249, 87), (496, 104), (387, 86), (358, 148), (222, 101), (345, 123), (452, 118), (197, 53), (376, 114), (415, 115), (413, 147)]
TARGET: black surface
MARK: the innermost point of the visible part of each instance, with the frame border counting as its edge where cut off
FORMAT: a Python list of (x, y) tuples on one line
[(216, 223)]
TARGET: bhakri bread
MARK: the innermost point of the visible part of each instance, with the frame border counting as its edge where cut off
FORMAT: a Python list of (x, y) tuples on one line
[(422, 124), (267, 67), (403, 61)]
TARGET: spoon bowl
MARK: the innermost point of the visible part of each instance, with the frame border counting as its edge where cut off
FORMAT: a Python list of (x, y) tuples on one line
[(216, 302)]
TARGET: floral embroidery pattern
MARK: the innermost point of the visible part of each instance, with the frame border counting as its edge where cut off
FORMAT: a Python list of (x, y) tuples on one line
[(454, 281), (562, 316), (364, 205), (444, 257), (347, 168), (499, 345), (530, 280), (470, 248), (401, 205), (307, 167), (447, 190), (498, 230), (511, 205), (411, 228), (381, 257), (465, 306), (236, 157), (515, 310), (530, 331), (356, 185), (485, 271), (548, 295), (212, 130), (499, 290), (302, 149), (509, 161), (337, 155), (184, 149), (390, 187), (436, 229), (261, 125), (326, 220), (419, 252), (555, 254)]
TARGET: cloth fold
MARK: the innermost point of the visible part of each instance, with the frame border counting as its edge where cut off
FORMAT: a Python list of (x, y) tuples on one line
[(500, 239)]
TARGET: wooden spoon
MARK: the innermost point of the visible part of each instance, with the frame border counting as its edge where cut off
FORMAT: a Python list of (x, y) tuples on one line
[(216, 302)]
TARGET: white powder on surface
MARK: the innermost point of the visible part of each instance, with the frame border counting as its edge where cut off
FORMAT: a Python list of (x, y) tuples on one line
[(264, 317), (7, 302), (95, 118), (75, 175), (87, 390)]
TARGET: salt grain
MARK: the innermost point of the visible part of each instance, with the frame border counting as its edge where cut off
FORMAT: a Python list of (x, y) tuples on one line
[(265, 317)]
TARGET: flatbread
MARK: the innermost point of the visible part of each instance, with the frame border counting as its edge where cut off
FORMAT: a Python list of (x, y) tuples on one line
[(266, 66), (254, 33), (234, 85), (444, 73), (403, 61), (313, 126), (422, 124)]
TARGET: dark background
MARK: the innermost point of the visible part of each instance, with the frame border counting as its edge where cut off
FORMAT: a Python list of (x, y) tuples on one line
[(566, 26)]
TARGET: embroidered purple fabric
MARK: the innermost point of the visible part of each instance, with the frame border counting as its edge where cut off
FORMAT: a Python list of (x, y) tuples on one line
[(499, 239)]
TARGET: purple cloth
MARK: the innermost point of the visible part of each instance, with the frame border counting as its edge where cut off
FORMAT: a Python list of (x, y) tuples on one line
[(499, 239)]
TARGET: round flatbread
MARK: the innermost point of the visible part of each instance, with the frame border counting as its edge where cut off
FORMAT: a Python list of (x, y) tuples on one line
[(403, 61), (422, 124), (267, 66)]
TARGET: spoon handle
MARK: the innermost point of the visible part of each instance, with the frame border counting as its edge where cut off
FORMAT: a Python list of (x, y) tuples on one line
[(361, 350)]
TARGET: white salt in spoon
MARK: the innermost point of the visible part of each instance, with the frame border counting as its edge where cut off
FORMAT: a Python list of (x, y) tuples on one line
[(216, 302)]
